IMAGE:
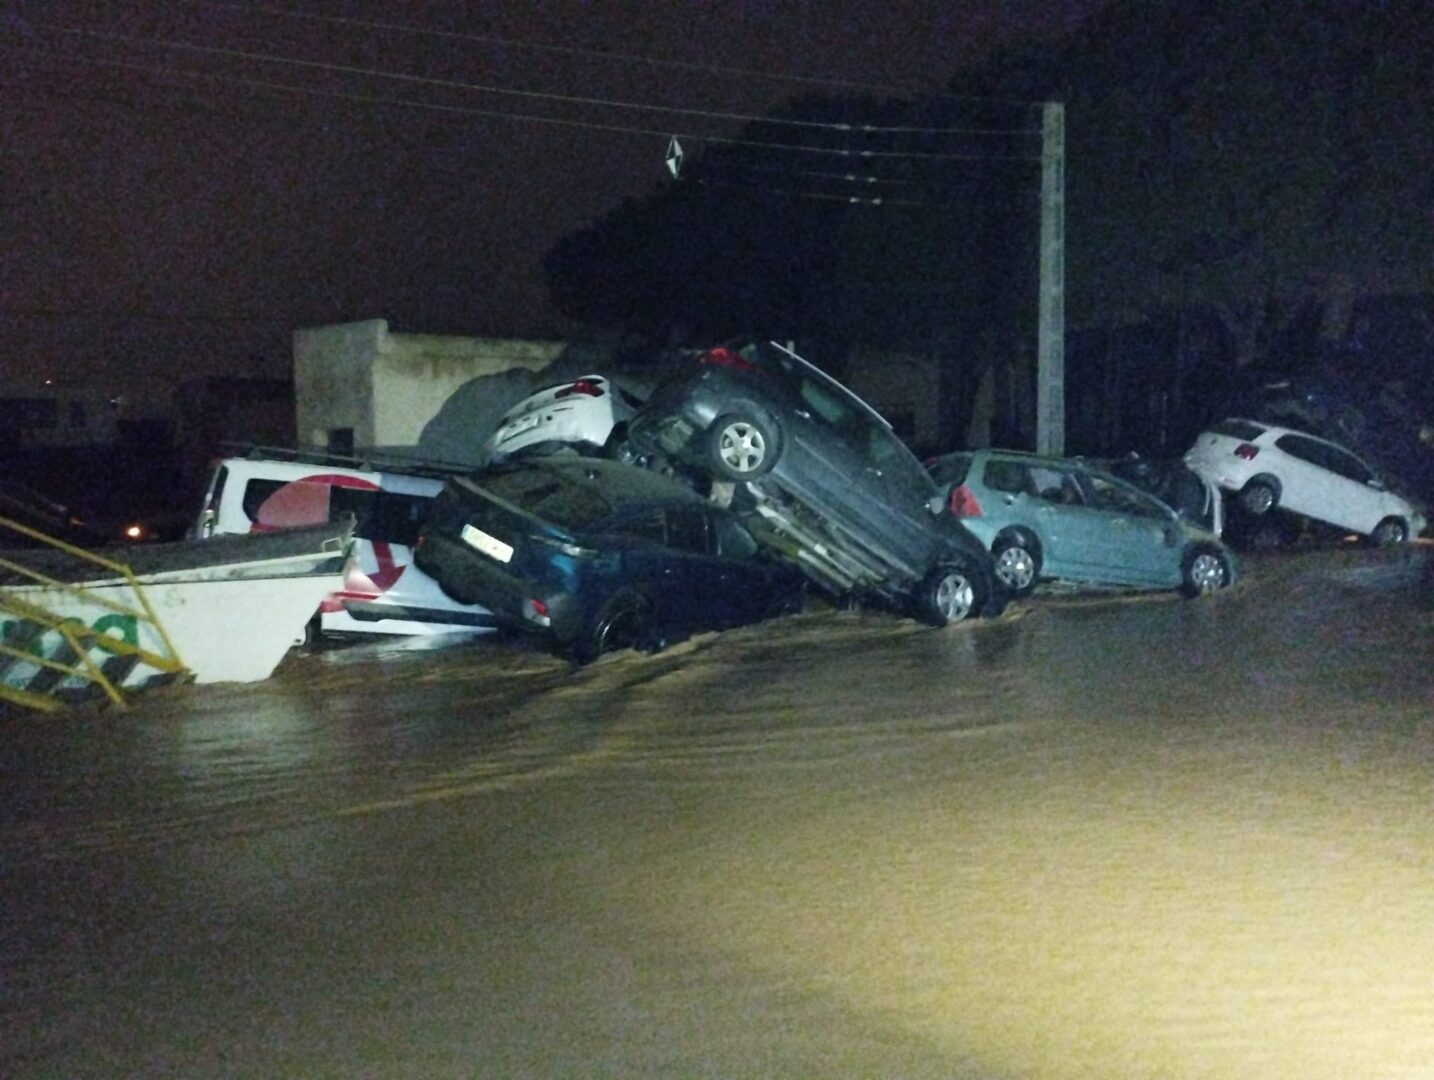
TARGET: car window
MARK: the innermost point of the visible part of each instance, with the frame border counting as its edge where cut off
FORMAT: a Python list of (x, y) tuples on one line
[(687, 529), (1108, 495), (550, 497), (733, 541), (650, 525), (390, 516), (1055, 485), (1325, 456), (1000, 475), (951, 469)]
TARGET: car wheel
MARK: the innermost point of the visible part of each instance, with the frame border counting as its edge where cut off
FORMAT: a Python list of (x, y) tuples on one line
[(741, 447), (1018, 563), (948, 595), (1258, 497), (621, 623), (1206, 569), (1391, 532)]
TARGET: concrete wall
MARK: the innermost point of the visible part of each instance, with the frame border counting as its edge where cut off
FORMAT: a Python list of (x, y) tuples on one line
[(416, 373), (386, 387), (333, 380)]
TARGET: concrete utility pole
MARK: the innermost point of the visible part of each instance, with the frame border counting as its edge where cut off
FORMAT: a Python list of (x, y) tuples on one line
[(1051, 335)]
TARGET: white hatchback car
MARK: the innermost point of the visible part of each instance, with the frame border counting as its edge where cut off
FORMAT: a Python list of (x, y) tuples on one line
[(1276, 467), (584, 413)]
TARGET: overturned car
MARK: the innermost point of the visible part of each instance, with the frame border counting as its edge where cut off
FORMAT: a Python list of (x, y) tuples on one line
[(822, 478)]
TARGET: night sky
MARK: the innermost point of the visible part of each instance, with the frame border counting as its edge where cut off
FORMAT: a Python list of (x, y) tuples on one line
[(165, 214)]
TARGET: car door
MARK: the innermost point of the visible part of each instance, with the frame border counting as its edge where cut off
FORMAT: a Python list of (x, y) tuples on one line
[(1072, 537), (1328, 484), (869, 482), (1135, 535), (649, 566)]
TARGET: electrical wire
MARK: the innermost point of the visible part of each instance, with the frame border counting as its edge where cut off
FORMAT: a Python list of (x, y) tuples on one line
[(598, 54), (462, 110), (532, 95)]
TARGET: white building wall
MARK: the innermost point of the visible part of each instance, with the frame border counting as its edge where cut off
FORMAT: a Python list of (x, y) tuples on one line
[(385, 387), (333, 380), (414, 374)]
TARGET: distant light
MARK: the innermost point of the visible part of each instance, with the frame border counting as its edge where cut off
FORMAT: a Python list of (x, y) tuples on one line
[(134, 532)]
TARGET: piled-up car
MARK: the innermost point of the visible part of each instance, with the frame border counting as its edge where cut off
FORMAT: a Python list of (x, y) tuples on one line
[(1272, 468), (599, 555), (589, 414), (740, 482), (824, 479)]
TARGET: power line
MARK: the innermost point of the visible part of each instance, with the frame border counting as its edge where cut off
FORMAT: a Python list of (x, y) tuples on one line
[(116, 315), (852, 200), (532, 95), (598, 54), (461, 110)]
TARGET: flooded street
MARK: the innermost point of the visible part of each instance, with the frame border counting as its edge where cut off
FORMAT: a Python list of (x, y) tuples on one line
[(1100, 837)]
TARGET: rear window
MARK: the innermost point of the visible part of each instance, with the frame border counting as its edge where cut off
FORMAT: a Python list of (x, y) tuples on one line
[(549, 496), (1239, 429), (951, 469)]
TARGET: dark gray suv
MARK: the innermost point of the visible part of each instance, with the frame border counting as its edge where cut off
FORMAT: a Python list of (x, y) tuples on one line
[(821, 477)]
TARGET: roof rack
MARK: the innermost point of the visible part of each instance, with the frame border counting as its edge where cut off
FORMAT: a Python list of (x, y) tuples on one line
[(365, 459)]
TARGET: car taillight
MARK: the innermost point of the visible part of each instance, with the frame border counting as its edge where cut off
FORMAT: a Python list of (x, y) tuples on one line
[(586, 387), (723, 357), (963, 503), (1246, 452), (537, 612)]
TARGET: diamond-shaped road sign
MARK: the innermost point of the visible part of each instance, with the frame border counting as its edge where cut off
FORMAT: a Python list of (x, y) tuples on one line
[(674, 157)]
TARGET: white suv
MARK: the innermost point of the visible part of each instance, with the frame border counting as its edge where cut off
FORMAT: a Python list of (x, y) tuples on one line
[(1276, 467)]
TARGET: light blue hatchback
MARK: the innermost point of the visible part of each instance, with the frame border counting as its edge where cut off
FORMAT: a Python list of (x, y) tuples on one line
[(1059, 518)]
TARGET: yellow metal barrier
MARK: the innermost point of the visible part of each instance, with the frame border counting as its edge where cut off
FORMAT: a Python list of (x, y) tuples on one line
[(79, 639)]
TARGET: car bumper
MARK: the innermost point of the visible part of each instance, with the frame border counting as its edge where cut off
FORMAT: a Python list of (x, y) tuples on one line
[(472, 578)]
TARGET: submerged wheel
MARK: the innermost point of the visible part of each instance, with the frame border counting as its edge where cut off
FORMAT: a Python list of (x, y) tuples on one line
[(621, 623), (741, 447), (1391, 532), (1018, 564), (1258, 497), (948, 595), (1206, 569)]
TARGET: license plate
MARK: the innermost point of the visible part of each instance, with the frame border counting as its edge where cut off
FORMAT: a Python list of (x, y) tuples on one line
[(520, 425), (488, 545)]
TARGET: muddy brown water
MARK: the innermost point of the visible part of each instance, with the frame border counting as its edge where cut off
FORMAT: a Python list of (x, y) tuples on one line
[(1104, 836)]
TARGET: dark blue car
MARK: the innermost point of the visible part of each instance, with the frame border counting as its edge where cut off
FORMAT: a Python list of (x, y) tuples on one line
[(599, 555)]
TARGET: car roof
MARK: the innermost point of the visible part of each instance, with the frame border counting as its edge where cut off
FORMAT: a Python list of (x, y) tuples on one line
[(1274, 431), (619, 484)]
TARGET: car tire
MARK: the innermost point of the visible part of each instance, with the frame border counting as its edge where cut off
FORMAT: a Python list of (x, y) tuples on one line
[(1259, 497), (1391, 532), (621, 623), (740, 446), (1018, 563), (949, 594), (1205, 569)]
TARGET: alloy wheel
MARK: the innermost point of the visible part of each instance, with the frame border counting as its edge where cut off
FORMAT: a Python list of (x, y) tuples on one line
[(742, 446)]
